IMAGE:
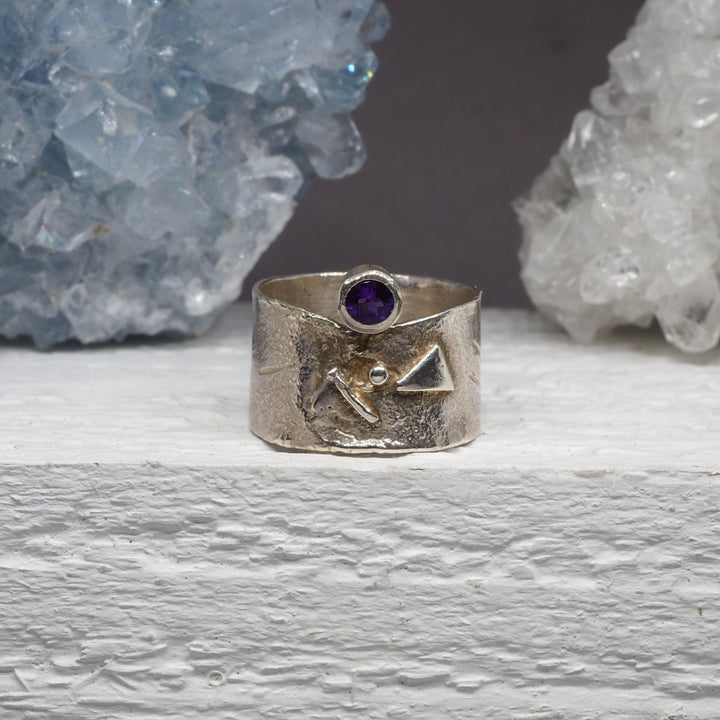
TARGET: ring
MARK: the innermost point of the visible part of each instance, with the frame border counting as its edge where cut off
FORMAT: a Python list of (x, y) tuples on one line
[(365, 362)]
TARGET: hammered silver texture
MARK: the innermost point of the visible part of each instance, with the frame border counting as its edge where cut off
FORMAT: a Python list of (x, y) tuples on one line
[(300, 346)]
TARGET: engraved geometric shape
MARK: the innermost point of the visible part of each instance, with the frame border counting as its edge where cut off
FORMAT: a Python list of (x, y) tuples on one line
[(431, 374), (360, 406)]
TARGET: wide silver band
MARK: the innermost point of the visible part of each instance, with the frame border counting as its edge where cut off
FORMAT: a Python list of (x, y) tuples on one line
[(319, 384)]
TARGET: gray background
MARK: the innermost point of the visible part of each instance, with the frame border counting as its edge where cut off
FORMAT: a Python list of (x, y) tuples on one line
[(472, 99)]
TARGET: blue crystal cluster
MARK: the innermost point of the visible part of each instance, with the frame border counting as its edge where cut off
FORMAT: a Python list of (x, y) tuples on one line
[(150, 150)]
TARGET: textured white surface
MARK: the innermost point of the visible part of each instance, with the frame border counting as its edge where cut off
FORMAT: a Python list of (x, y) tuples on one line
[(156, 561)]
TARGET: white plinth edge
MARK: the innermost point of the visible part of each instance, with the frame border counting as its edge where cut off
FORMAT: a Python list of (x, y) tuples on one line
[(157, 561)]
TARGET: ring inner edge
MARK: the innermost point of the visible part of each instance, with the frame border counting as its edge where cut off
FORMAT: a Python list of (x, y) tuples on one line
[(318, 294)]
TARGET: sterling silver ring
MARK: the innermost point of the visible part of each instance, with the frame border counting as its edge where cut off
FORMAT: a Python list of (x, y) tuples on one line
[(365, 362)]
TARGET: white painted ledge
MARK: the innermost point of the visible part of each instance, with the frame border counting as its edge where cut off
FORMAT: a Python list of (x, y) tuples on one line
[(157, 561)]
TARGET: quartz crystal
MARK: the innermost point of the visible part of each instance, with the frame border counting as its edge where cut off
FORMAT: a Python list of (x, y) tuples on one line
[(150, 150), (623, 226)]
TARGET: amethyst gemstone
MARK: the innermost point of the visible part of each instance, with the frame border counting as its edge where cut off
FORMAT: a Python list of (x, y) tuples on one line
[(370, 302)]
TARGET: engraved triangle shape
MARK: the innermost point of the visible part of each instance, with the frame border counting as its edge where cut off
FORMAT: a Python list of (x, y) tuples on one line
[(431, 374)]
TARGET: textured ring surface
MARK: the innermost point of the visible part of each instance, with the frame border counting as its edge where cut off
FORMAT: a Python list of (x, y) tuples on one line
[(322, 381)]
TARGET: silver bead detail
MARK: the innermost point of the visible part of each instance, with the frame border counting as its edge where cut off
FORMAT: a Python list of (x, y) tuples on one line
[(379, 375)]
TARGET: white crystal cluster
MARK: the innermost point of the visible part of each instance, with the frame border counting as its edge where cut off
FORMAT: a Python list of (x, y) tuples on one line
[(150, 150), (624, 226)]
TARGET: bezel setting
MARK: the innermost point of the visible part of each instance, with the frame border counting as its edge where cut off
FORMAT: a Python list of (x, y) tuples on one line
[(362, 274)]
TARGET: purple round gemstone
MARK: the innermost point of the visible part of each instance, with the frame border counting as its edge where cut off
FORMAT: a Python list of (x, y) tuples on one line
[(370, 302)]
